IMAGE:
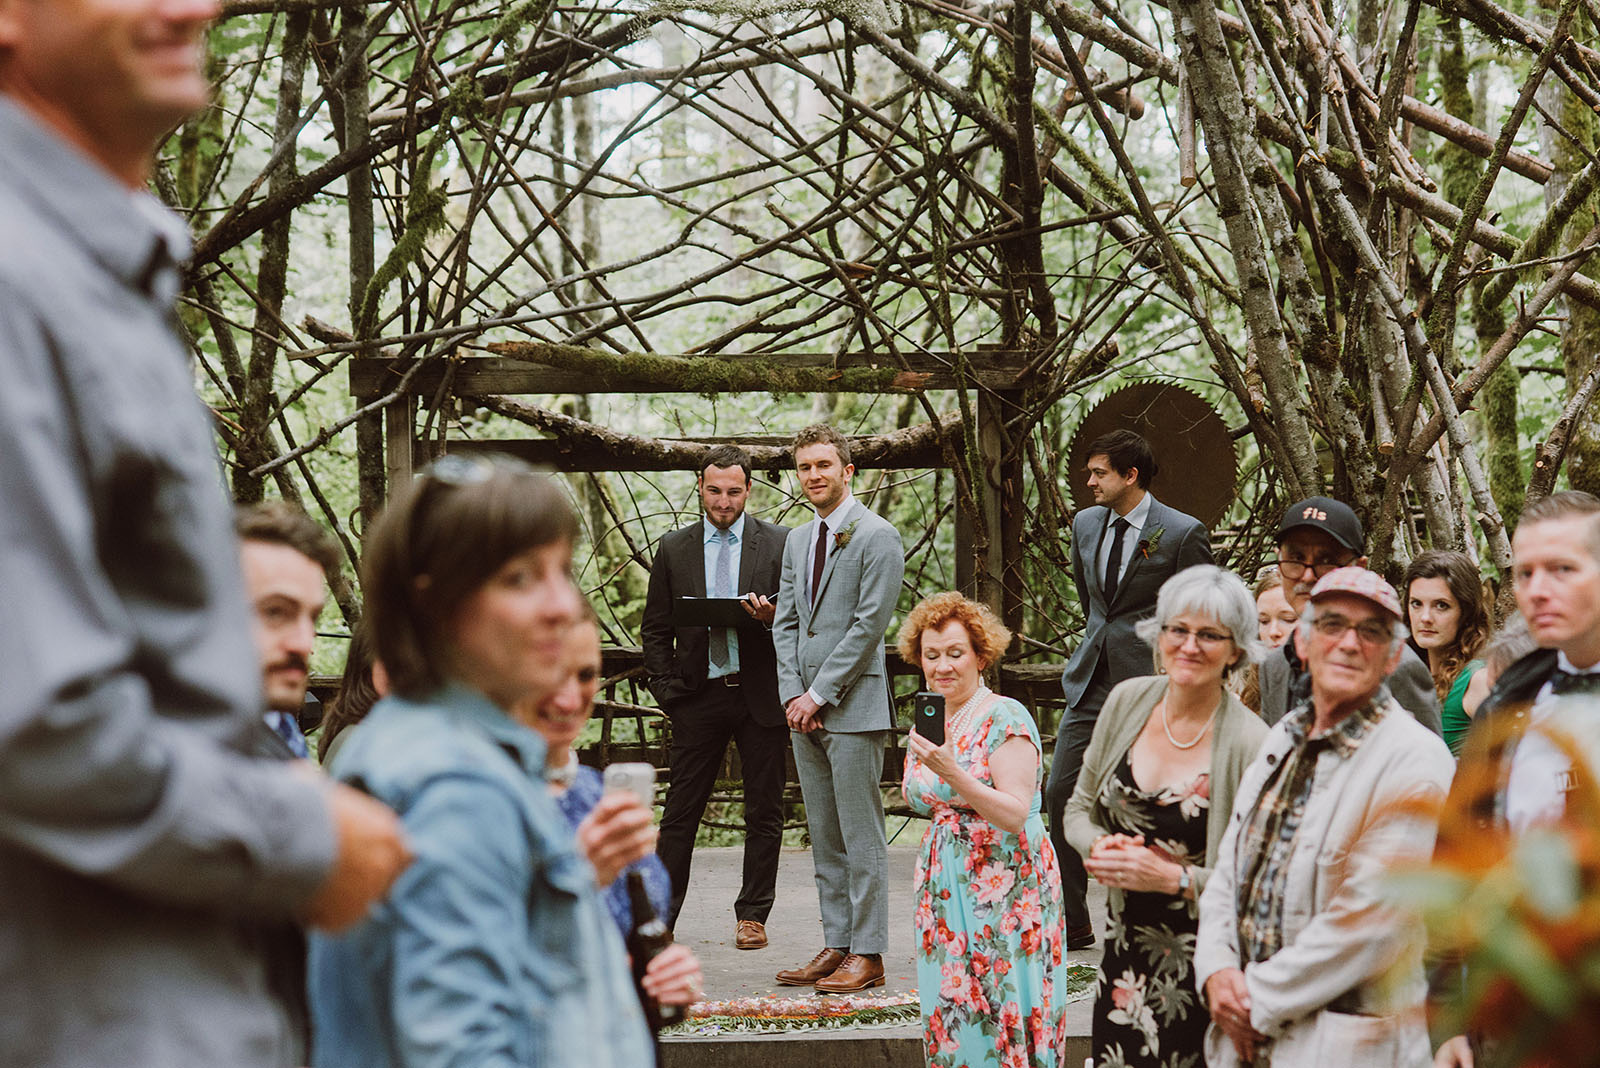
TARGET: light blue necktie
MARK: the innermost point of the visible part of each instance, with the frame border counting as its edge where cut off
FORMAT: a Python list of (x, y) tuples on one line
[(287, 727), (722, 586)]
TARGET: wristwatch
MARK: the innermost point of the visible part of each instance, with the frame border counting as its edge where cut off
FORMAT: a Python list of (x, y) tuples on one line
[(1185, 880)]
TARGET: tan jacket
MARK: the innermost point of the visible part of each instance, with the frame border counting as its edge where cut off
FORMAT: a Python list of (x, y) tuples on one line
[(1340, 938), (1235, 737)]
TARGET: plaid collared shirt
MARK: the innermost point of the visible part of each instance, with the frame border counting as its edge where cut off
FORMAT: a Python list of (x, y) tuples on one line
[(1266, 840)]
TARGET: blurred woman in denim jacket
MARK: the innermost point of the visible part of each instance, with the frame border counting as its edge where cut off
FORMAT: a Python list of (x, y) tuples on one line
[(494, 948)]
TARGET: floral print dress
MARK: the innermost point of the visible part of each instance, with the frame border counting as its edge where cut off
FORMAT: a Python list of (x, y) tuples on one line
[(1146, 1011), (989, 918)]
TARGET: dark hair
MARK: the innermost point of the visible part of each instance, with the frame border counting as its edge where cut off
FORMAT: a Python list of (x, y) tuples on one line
[(1126, 451), (441, 538), (1466, 586), (281, 523), (823, 434), (1567, 504), (726, 456), (357, 691)]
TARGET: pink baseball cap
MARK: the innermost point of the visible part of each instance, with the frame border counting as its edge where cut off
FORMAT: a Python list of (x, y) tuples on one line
[(1359, 582)]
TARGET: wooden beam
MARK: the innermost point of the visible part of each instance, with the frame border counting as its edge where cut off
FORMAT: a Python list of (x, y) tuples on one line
[(918, 450), (490, 375), (399, 441)]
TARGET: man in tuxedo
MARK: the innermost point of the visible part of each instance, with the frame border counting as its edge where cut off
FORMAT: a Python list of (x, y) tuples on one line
[(721, 683), (1555, 566), (841, 580), (1123, 549), (1317, 536)]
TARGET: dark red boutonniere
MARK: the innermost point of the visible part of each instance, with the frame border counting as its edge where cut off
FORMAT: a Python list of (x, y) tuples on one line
[(841, 538), (1148, 545)]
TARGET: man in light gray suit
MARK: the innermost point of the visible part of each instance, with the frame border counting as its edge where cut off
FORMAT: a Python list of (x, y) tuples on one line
[(1316, 536), (1123, 549), (840, 581)]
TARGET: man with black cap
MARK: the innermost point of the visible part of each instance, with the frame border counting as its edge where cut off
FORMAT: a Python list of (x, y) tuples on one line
[(1318, 535)]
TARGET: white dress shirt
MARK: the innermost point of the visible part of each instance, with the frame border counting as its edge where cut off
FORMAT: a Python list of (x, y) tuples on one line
[(1541, 774)]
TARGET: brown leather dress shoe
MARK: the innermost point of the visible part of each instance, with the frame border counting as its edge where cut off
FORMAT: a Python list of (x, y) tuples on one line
[(821, 966), (750, 934), (857, 972)]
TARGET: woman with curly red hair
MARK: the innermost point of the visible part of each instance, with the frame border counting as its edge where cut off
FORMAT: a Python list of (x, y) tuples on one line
[(989, 920)]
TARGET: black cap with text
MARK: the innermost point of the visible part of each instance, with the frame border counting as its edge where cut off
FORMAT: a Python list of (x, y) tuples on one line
[(1333, 518)]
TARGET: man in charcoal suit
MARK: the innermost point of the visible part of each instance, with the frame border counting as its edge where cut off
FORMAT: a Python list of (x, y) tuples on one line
[(1123, 549), (721, 683), (841, 579)]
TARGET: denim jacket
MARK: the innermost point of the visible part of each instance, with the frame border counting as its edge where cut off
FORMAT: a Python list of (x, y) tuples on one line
[(494, 948)]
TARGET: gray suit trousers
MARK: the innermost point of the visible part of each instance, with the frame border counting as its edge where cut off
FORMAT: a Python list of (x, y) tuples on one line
[(844, 812)]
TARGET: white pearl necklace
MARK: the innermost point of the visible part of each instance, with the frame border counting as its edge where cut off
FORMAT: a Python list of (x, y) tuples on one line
[(958, 722), (1167, 727)]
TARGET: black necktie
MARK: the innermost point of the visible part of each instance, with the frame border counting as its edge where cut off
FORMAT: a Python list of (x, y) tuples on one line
[(818, 558), (1114, 562), (1564, 682)]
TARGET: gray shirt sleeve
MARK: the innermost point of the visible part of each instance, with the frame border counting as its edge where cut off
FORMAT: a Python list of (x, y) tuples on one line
[(119, 730)]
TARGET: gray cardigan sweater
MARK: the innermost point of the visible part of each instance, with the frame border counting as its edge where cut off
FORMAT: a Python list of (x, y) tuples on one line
[(1235, 737)]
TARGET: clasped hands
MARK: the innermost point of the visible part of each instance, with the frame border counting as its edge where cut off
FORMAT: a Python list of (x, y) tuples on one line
[(1124, 861), (1228, 998), (804, 714)]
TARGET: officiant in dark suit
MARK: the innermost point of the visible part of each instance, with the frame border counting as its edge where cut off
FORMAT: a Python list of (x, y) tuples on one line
[(1123, 549), (718, 684)]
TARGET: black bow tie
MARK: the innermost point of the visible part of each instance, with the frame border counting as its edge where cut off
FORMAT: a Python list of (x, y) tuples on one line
[(1563, 682)]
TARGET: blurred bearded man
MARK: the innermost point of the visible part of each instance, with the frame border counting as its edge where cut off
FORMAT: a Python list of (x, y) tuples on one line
[(287, 561)]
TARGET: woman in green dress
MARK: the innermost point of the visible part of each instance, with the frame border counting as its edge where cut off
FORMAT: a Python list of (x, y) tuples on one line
[(1449, 625)]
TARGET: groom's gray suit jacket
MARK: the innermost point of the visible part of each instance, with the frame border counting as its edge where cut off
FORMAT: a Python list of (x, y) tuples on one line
[(834, 645)]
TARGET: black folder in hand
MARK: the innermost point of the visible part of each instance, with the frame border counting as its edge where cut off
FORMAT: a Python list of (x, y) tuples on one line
[(709, 612)]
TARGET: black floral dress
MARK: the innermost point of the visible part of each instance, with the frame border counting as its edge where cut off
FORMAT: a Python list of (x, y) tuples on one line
[(1146, 1010)]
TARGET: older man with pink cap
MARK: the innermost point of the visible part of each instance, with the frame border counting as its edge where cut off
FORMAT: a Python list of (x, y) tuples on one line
[(1300, 958)]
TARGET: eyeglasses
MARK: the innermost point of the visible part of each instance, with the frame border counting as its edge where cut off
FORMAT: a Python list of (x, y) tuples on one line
[(1295, 570), (1209, 638), (1369, 631)]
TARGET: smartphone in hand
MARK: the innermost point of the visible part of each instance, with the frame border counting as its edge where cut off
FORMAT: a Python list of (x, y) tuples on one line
[(928, 717), (638, 779)]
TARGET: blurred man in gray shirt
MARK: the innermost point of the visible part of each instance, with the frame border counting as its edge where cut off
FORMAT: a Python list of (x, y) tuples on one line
[(148, 863)]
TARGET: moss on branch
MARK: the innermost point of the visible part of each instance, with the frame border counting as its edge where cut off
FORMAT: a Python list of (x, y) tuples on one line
[(709, 375)]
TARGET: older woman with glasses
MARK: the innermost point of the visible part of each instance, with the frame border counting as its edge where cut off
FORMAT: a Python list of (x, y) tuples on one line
[(494, 948), (1150, 809)]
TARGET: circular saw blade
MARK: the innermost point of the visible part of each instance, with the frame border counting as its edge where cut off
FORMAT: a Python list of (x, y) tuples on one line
[(1197, 468)]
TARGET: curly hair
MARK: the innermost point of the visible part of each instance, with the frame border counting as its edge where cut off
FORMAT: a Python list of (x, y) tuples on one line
[(1466, 586), (989, 636), (823, 434)]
